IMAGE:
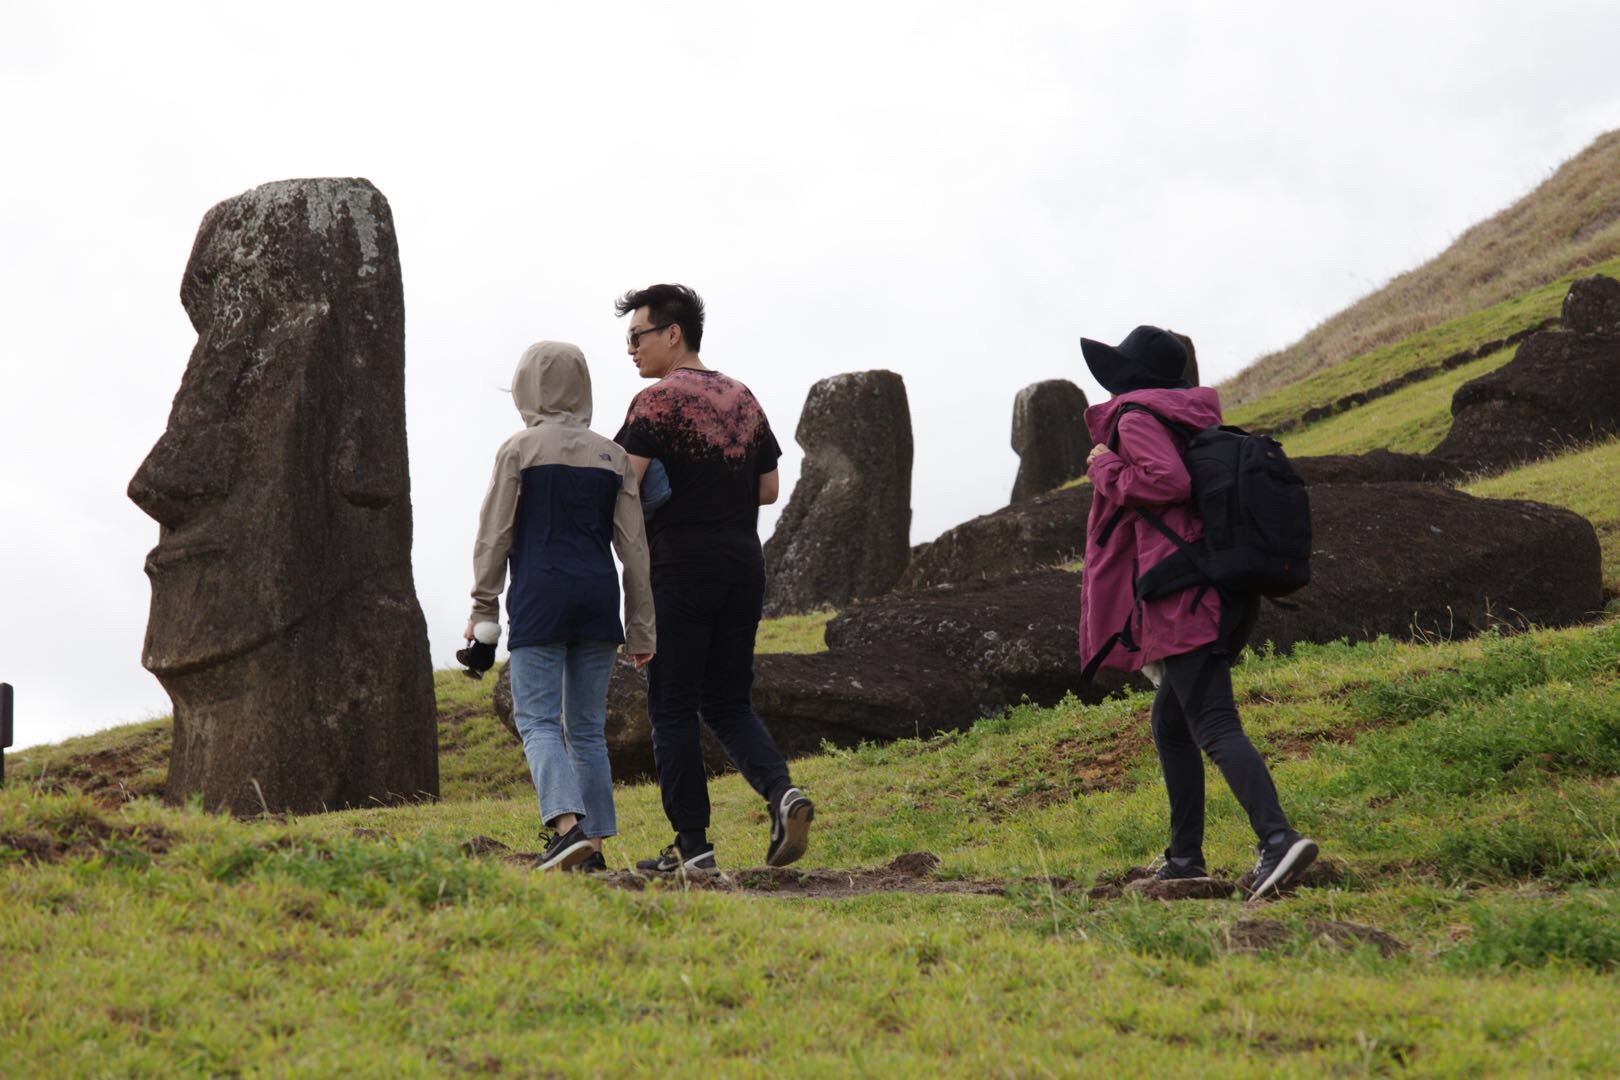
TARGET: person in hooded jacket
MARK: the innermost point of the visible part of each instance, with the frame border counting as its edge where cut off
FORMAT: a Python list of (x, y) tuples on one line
[(561, 500), (1184, 641)]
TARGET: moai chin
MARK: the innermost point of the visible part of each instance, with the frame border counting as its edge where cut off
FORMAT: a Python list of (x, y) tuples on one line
[(284, 622)]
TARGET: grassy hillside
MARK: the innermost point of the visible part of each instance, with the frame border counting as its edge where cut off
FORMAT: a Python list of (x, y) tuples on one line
[(1571, 220), (1423, 350), (1467, 796)]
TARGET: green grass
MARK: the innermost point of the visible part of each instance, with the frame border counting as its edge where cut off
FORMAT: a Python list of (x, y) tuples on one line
[(794, 633), (1413, 353), (1586, 481), (1412, 420), (1468, 793)]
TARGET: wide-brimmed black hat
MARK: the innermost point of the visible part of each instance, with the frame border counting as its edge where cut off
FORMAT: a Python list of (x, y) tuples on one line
[(1148, 359)]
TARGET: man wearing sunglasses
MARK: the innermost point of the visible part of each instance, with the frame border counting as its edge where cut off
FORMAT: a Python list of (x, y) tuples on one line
[(708, 574)]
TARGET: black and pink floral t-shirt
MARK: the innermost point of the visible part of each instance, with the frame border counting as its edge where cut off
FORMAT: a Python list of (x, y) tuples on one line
[(715, 443)]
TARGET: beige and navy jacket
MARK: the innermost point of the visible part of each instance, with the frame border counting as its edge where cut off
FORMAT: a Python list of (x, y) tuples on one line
[(559, 497)]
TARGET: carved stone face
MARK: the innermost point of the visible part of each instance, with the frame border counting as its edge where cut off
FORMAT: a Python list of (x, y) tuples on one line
[(270, 481), (227, 483)]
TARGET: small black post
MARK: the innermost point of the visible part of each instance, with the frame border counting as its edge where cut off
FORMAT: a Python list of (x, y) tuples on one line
[(5, 726)]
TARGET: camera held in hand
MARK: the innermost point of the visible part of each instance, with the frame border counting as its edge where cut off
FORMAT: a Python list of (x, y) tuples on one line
[(479, 655)]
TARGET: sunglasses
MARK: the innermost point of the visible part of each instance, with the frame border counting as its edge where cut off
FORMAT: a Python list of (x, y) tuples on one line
[(634, 336)]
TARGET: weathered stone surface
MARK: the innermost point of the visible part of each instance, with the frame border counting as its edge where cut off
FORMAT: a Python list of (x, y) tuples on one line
[(997, 641), (1047, 530), (846, 530), (1375, 467), (1400, 559), (1592, 306), (1420, 559), (1561, 390), (284, 622), (1049, 435)]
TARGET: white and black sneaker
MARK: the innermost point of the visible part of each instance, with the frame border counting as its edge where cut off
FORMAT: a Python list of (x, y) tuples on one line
[(673, 858), (1281, 864), (566, 851), (790, 828)]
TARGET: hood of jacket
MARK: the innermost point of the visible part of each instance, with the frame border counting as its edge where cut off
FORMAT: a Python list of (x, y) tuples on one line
[(1198, 407), (552, 383)]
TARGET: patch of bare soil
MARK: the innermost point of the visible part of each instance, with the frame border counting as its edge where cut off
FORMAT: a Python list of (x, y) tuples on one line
[(85, 839), (1255, 935), (119, 774)]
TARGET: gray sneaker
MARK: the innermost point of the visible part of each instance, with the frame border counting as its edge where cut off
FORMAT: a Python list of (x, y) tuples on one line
[(790, 828), (1281, 864)]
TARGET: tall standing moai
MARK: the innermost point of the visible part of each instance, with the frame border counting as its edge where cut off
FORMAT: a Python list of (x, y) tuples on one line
[(284, 622), (1049, 434), (846, 531)]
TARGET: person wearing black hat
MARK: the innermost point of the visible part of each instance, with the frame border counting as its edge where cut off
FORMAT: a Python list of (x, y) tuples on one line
[(1179, 640)]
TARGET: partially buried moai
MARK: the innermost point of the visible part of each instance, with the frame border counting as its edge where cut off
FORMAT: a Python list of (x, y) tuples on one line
[(284, 622), (1049, 435), (845, 533)]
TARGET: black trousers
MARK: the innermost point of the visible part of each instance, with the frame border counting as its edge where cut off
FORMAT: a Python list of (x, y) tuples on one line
[(705, 668), (1194, 711)]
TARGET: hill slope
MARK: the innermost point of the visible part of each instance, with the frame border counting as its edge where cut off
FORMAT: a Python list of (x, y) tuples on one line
[(1465, 793), (1570, 221)]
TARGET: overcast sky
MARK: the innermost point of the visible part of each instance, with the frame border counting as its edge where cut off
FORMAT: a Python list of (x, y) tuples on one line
[(952, 191)]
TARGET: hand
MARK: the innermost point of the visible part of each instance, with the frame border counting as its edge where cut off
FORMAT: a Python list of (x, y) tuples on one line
[(468, 633), (642, 659), (1097, 451)]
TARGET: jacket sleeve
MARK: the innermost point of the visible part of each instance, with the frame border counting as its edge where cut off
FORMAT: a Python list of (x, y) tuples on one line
[(630, 544), (494, 543), (1146, 470)]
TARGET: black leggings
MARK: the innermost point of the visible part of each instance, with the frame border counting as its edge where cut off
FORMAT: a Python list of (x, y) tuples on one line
[(1194, 711)]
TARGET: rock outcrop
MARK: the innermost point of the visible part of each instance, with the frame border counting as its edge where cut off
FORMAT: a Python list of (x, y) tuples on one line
[(1592, 306), (1049, 435), (1376, 467), (284, 622), (846, 530), (1560, 391), (1047, 530)]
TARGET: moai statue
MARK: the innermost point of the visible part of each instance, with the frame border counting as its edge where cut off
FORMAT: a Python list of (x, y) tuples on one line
[(1049, 434), (846, 532), (284, 623), (1190, 376)]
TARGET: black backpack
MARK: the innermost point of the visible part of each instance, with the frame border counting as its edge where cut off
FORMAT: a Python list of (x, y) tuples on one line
[(1257, 524)]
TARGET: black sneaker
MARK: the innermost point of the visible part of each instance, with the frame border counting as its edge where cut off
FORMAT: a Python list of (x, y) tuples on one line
[(595, 864), (790, 828), (673, 858), (1281, 864), (566, 851), (1167, 869)]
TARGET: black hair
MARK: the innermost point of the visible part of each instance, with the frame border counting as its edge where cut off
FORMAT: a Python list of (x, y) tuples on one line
[(667, 304)]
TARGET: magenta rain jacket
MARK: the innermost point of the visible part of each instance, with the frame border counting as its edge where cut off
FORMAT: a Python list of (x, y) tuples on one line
[(1147, 470)]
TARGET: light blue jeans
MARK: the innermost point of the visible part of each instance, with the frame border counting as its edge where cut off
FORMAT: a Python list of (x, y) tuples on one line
[(559, 704)]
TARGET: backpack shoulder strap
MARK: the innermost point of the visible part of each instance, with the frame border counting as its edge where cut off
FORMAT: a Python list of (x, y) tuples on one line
[(1176, 427)]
